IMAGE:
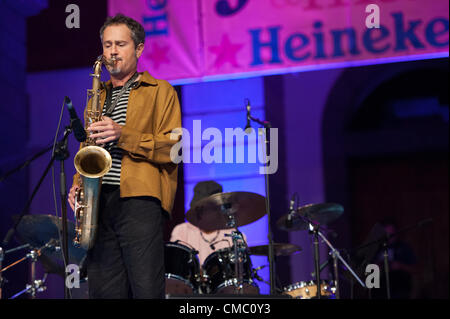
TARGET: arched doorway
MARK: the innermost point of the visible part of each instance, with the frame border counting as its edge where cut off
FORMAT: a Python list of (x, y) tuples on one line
[(385, 151)]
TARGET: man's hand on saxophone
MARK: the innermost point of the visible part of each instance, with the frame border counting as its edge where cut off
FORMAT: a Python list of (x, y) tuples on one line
[(105, 131), (71, 197)]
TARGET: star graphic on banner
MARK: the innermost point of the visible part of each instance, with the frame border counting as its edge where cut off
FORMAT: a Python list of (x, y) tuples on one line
[(226, 52), (158, 55)]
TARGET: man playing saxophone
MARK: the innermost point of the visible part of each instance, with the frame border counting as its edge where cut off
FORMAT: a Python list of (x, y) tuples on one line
[(137, 194)]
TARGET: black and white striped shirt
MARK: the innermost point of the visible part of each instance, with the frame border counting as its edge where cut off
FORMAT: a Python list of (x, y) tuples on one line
[(119, 116)]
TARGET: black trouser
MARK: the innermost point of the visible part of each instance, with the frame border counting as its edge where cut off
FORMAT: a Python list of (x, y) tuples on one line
[(127, 260)]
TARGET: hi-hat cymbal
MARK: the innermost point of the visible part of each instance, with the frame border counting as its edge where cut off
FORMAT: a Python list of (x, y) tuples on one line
[(323, 214), (217, 211), (38, 230), (279, 249)]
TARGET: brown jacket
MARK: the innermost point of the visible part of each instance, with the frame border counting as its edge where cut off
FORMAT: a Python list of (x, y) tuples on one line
[(147, 170)]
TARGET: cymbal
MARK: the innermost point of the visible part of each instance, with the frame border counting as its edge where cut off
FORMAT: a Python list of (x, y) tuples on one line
[(279, 249), (37, 230), (216, 211), (323, 214)]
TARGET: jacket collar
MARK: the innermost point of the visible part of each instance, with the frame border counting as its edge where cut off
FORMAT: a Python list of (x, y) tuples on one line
[(145, 79)]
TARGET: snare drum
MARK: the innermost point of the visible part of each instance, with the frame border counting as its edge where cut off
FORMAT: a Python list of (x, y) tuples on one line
[(182, 269), (308, 290), (220, 276)]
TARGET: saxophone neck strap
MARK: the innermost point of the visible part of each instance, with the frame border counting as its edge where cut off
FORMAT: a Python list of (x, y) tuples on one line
[(111, 106)]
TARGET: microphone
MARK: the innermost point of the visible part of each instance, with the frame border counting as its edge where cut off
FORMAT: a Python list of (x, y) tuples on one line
[(75, 122), (291, 209), (248, 129)]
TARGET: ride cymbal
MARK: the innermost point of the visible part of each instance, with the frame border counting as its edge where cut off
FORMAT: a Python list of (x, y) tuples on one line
[(219, 210), (37, 230), (323, 214)]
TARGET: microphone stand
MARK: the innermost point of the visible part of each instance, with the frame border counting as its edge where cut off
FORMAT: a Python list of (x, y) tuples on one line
[(61, 154), (266, 125), (385, 243)]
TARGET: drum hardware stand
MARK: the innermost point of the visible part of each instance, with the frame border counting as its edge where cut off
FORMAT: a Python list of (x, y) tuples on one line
[(336, 274), (2, 256), (236, 237), (256, 276), (36, 285), (60, 153), (385, 244), (314, 228), (315, 231), (386, 267), (336, 255), (266, 126)]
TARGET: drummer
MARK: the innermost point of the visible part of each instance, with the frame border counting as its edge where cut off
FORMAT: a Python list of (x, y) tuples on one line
[(204, 242)]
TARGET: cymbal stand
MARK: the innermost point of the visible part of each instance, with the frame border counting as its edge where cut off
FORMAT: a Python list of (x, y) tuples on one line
[(36, 285), (386, 268), (336, 255), (60, 153), (315, 231), (336, 274), (2, 256), (236, 236), (314, 228), (384, 240)]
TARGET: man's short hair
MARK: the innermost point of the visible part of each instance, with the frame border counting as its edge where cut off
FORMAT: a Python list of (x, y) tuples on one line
[(137, 30)]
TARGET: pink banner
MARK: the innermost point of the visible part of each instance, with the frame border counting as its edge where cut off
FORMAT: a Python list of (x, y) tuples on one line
[(172, 43), (190, 40)]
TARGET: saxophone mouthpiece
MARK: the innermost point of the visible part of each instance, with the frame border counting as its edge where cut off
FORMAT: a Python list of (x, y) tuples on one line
[(107, 61)]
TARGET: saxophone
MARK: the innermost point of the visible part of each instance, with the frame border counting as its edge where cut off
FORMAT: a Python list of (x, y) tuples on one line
[(92, 162)]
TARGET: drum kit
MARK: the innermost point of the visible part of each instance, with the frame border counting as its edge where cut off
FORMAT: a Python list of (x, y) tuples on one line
[(225, 271), (230, 270)]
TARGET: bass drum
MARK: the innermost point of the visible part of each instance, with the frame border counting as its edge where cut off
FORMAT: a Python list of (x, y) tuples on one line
[(182, 269), (219, 271)]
